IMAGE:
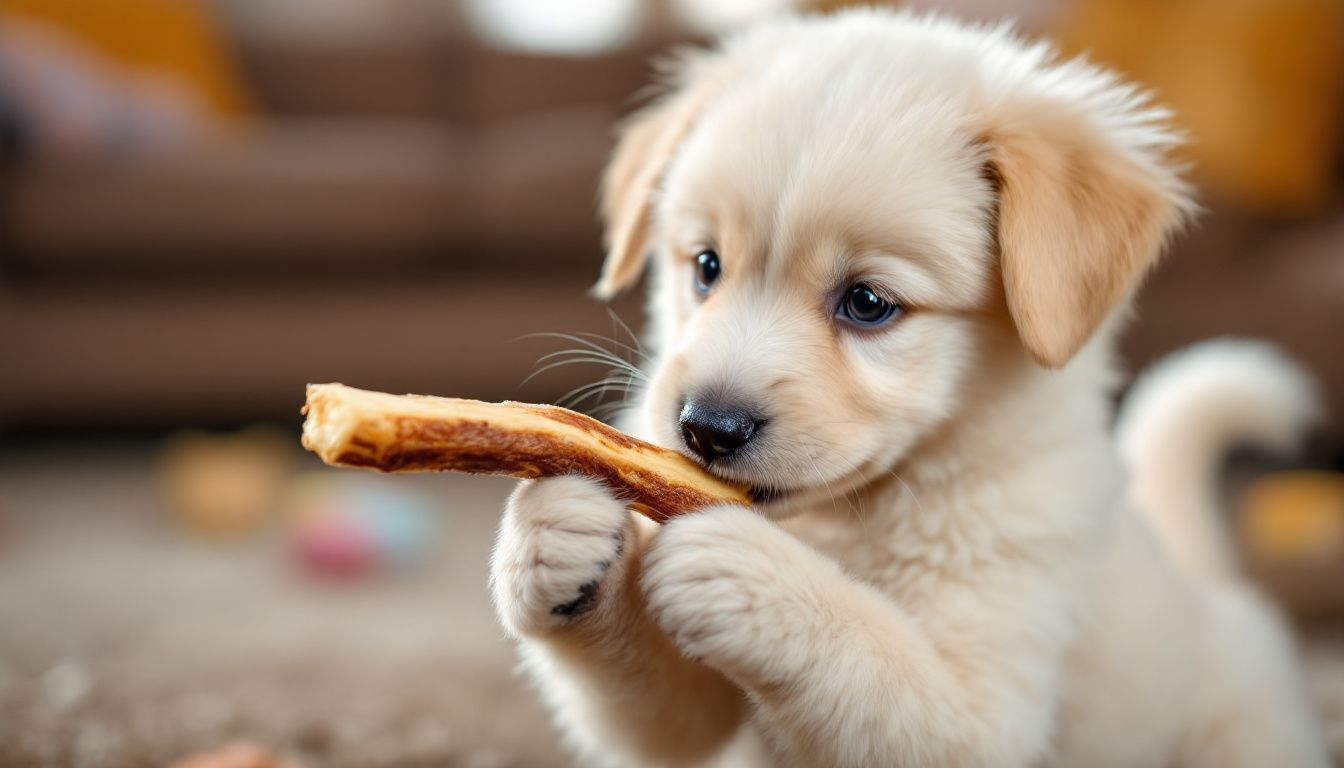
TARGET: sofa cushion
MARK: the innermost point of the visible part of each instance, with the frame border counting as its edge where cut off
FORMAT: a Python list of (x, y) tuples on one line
[(275, 194)]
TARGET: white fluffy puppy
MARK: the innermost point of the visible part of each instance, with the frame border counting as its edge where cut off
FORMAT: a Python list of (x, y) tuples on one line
[(888, 253)]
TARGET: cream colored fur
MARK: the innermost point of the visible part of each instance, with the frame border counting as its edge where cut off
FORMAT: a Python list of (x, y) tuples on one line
[(1179, 417), (953, 577)]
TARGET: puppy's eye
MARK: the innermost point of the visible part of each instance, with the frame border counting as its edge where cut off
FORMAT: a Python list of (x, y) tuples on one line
[(706, 270), (862, 306)]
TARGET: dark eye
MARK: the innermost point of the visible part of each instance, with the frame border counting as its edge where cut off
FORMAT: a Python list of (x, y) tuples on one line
[(706, 270), (862, 306)]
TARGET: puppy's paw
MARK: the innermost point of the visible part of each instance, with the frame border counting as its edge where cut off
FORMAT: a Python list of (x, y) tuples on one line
[(731, 590), (558, 542)]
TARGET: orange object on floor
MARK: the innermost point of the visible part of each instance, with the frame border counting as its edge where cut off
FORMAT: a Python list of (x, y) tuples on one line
[(1295, 518), (241, 755)]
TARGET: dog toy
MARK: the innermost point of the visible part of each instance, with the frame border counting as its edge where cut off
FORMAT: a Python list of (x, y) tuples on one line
[(353, 527), (224, 486)]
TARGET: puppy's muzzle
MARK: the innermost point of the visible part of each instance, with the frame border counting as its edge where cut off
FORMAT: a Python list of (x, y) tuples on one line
[(715, 428)]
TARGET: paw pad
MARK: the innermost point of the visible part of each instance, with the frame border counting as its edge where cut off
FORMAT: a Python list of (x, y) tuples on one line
[(579, 605)]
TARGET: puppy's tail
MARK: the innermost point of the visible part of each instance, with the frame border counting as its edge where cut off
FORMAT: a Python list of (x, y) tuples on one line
[(1178, 423)]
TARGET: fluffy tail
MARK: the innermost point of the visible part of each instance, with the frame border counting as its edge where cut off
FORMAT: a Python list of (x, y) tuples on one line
[(1178, 423)]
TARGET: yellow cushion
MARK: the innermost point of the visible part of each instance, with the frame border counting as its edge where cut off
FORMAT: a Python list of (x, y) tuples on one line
[(176, 36), (1257, 85)]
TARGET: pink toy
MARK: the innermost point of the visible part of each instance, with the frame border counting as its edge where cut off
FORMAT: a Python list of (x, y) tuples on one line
[(354, 526)]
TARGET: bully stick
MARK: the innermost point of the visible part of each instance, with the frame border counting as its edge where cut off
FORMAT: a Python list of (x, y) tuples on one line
[(417, 433)]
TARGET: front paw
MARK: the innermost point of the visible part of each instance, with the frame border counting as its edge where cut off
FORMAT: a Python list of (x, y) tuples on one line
[(732, 590), (559, 541)]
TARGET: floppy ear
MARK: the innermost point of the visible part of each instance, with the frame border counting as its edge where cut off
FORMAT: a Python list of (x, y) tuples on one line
[(1082, 216), (648, 140)]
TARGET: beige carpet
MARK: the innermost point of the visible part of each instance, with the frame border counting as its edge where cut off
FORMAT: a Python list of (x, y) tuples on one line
[(124, 643)]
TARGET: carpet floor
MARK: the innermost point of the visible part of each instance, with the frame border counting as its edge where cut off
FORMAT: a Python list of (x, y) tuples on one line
[(125, 643)]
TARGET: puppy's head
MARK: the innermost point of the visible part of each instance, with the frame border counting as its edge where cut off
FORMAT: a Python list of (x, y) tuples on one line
[(850, 217)]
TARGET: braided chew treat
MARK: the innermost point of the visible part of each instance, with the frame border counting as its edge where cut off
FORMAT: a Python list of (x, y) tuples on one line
[(417, 433)]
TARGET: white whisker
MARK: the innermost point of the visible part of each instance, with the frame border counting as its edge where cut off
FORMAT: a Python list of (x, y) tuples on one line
[(594, 389), (634, 337), (908, 489), (590, 356), (624, 377)]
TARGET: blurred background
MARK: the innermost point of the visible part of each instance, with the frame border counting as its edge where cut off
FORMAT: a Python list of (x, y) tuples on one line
[(205, 204)]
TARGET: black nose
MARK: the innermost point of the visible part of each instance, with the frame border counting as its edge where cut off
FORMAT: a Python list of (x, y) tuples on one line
[(715, 429)]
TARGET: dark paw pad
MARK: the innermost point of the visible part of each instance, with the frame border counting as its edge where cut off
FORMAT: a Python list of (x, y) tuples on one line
[(587, 595)]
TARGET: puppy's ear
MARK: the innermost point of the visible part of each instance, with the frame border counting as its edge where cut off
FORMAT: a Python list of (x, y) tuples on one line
[(1086, 203), (647, 142)]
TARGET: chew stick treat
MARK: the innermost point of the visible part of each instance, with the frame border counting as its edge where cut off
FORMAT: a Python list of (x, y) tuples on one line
[(418, 433)]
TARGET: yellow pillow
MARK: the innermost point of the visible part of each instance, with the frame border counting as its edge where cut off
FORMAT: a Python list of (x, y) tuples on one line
[(1257, 84), (177, 36)]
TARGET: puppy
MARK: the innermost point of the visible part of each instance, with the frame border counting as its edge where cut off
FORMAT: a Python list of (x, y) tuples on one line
[(888, 256)]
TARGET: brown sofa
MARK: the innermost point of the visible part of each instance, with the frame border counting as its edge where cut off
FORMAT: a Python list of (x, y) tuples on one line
[(409, 201), (400, 212)]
